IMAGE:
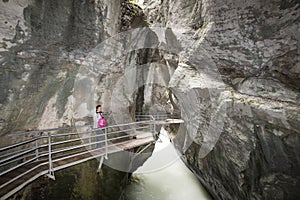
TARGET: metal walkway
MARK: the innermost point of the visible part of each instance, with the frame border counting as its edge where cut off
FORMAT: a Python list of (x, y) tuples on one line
[(42, 152)]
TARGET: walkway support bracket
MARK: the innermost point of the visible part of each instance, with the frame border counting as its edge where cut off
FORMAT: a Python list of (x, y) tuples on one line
[(100, 164)]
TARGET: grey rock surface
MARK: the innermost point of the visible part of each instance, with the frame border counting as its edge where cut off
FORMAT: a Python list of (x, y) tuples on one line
[(47, 57), (231, 67), (237, 85)]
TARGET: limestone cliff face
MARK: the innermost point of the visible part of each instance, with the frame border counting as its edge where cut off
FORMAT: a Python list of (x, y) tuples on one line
[(237, 85), (48, 53), (44, 48), (231, 67), (43, 45)]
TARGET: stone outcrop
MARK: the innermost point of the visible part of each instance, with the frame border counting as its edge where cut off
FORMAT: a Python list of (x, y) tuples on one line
[(231, 67), (39, 68), (237, 86), (47, 51)]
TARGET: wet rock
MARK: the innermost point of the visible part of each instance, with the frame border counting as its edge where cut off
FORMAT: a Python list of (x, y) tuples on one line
[(237, 138), (232, 66)]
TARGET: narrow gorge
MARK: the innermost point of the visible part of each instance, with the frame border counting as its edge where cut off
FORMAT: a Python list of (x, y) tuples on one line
[(229, 68)]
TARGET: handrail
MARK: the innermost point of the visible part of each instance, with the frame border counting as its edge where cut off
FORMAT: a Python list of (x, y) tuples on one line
[(75, 127), (12, 153), (17, 144), (20, 153), (19, 176), (47, 130), (15, 167), (15, 155), (72, 133), (49, 146)]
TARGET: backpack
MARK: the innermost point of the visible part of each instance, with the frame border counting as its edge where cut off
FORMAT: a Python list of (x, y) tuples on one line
[(101, 122)]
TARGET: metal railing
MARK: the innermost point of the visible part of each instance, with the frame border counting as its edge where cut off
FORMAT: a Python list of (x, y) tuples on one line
[(45, 148), (39, 152), (157, 116)]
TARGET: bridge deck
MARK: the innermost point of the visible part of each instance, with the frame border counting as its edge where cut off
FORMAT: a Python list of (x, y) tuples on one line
[(42, 152), (41, 167), (168, 121)]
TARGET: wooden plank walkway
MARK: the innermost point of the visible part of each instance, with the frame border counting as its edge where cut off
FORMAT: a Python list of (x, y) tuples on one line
[(41, 167)]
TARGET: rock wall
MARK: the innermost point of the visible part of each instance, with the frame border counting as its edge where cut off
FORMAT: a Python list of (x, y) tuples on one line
[(48, 48), (237, 86), (43, 45), (46, 66), (231, 67)]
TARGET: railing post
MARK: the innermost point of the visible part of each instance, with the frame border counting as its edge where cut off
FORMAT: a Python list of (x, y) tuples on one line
[(90, 139), (36, 145), (100, 164), (51, 172), (105, 132)]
